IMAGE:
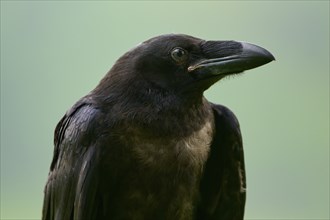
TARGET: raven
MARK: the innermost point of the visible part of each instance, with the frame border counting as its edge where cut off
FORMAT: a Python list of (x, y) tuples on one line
[(146, 144)]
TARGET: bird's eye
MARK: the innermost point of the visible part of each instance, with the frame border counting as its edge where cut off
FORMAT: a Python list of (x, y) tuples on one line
[(179, 54)]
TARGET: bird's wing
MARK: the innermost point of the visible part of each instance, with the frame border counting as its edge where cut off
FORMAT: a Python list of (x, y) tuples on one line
[(72, 178), (223, 185)]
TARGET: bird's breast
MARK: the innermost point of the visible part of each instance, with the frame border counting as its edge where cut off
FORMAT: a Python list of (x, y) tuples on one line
[(171, 154), (162, 165)]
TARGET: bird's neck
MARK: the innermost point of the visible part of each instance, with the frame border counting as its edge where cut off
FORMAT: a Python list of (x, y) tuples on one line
[(162, 112)]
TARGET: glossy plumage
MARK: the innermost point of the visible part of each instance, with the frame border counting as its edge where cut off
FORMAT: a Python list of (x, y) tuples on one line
[(145, 143)]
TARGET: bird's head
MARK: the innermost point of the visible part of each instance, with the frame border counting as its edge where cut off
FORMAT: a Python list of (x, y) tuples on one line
[(184, 65)]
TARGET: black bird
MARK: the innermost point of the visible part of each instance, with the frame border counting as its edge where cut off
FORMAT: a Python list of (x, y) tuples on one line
[(145, 143)]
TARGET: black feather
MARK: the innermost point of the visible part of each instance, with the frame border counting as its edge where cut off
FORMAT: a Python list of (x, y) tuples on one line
[(146, 145)]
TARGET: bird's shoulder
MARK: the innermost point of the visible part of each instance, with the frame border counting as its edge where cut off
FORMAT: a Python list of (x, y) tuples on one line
[(77, 127), (225, 117), (75, 160), (223, 183)]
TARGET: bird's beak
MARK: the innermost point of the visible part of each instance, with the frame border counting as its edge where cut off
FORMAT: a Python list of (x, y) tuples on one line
[(222, 58)]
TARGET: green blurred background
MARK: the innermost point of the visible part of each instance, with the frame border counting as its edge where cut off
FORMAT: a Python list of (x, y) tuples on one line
[(54, 52)]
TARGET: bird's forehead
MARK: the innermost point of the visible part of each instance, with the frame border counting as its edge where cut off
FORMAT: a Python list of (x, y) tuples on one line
[(172, 40)]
